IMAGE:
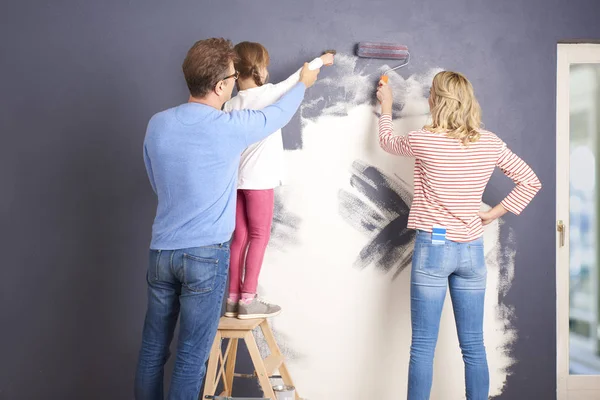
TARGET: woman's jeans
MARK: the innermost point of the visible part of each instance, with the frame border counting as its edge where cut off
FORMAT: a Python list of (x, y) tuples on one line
[(460, 266)]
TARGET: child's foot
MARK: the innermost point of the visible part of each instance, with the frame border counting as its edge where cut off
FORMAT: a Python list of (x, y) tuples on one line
[(257, 308), (231, 309)]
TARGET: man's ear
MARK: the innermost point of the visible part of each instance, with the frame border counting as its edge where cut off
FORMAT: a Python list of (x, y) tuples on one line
[(219, 88)]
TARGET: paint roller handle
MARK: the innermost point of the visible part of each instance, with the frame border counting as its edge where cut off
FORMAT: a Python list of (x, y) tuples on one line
[(385, 78)]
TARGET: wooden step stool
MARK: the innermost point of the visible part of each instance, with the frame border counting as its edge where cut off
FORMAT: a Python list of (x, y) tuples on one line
[(235, 329)]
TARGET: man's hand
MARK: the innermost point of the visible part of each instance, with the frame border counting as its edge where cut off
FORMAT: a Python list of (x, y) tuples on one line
[(307, 76)]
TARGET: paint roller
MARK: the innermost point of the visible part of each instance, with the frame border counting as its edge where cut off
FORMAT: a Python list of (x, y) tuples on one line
[(388, 51)]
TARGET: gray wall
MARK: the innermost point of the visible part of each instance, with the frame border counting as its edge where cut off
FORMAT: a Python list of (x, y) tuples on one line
[(79, 81)]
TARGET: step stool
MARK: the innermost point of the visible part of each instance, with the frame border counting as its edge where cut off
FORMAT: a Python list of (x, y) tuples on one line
[(232, 398), (235, 329)]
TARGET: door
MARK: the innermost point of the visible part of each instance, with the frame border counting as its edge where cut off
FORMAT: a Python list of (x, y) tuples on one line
[(578, 221)]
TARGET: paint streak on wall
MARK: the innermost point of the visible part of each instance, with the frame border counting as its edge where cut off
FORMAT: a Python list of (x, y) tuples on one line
[(383, 214)]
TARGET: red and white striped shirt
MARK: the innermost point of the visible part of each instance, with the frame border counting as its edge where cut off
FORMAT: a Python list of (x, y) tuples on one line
[(449, 178)]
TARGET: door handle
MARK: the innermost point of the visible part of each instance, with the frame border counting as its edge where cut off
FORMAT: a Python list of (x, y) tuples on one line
[(560, 227)]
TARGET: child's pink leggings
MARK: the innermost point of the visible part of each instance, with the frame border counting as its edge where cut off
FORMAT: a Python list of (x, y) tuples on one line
[(254, 215)]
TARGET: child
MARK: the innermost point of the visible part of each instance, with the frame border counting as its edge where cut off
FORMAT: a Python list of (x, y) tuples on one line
[(454, 160), (260, 170)]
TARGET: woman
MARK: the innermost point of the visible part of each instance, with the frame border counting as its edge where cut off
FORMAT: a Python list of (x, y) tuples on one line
[(454, 160)]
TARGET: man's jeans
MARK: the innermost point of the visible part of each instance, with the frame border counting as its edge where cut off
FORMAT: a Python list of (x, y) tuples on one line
[(191, 283)]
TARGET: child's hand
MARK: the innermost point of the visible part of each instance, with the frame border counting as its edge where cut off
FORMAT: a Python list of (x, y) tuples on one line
[(327, 59), (384, 93)]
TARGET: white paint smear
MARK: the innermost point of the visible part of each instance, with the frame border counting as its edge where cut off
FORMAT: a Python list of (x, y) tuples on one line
[(349, 329)]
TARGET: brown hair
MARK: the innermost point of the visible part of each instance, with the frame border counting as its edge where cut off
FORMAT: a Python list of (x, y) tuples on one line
[(206, 63), (251, 57)]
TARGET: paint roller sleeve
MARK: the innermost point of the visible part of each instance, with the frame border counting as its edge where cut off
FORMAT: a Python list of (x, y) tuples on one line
[(390, 51)]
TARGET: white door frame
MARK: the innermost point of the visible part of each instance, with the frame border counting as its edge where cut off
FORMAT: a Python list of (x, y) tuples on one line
[(569, 387)]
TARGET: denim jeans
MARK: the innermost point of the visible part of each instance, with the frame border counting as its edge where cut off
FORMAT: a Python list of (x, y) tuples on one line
[(189, 284), (461, 266)]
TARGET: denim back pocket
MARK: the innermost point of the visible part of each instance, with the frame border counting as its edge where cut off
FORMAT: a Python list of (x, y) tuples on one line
[(432, 258), (477, 256), (199, 273), (152, 275)]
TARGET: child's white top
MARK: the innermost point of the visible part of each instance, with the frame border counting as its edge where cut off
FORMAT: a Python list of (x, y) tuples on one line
[(261, 164)]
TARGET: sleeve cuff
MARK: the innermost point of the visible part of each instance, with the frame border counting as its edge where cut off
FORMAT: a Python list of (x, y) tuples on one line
[(511, 207), (315, 64)]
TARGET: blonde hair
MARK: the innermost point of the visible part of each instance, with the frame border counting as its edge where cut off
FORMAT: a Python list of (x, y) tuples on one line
[(454, 108), (251, 58)]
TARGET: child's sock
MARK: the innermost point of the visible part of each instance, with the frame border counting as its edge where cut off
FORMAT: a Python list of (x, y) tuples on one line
[(247, 297), (234, 297)]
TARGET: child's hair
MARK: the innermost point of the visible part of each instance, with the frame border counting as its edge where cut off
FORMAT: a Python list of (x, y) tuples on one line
[(454, 108), (252, 57)]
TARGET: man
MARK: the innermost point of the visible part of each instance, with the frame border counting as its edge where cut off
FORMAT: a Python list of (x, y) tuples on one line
[(192, 154)]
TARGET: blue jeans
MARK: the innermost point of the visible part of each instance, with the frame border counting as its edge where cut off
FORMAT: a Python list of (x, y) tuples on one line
[(189, 283), (434, 267)]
